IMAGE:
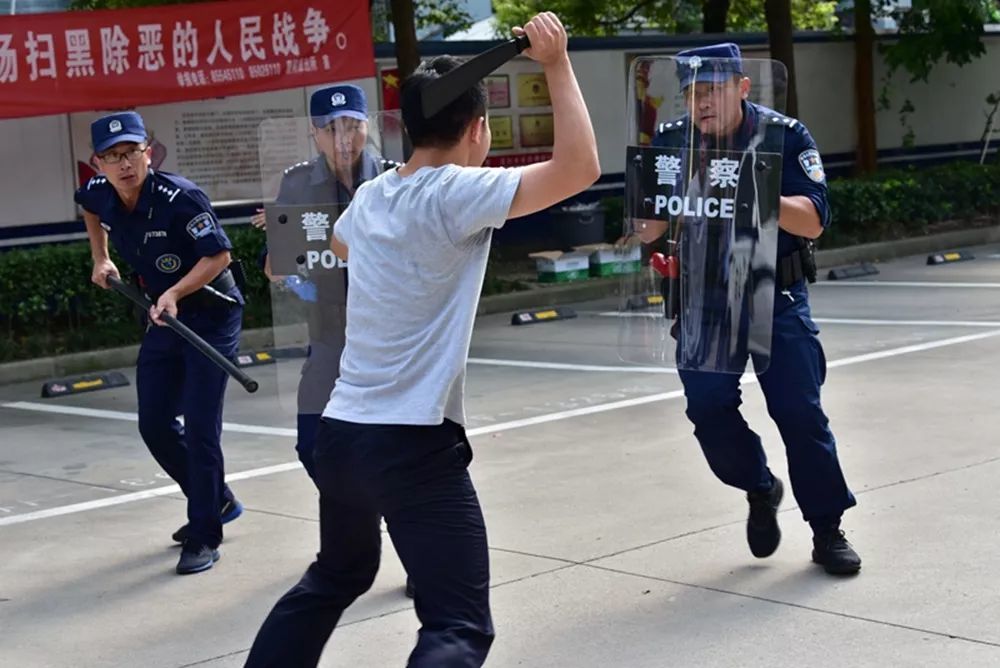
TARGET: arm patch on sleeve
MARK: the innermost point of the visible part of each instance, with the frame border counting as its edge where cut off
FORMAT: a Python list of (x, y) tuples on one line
[(812, 165), (201, 225)]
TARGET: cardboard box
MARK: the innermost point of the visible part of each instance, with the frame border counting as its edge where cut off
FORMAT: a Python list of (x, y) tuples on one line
[(611, 260), (560, 267)]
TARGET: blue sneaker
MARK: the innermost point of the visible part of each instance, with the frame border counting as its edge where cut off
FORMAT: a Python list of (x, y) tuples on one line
[(230, 511), (196, 558)]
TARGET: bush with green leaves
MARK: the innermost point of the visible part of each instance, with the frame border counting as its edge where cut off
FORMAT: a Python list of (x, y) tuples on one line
[(48, 306)]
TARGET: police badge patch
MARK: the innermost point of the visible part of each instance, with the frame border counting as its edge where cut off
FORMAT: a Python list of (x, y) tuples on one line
[(168, 263), (812, 165), (201, 225)]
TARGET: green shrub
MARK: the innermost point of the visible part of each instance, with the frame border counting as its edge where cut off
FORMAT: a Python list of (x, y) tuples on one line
[(894, 204), (48, 306)]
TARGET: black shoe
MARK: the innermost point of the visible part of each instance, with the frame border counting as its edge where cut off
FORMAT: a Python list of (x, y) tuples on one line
[(763, 533), (230, 511), (196, 558), (410, 590), (832, 551)]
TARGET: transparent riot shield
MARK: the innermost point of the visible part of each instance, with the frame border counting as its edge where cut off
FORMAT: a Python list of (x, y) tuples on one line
[(309, 174), (702, 189)]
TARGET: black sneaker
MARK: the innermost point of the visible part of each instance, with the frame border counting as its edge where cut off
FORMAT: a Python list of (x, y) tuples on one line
[(763, 533), (410, 591), (196, 558), (832, 551), (230, 511)]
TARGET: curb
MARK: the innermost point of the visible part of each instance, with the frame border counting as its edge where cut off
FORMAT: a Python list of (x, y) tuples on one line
[(597, 288)]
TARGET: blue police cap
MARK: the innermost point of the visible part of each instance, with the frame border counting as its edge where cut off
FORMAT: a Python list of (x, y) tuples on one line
[(714, 63), (107, 131), (327, 104)]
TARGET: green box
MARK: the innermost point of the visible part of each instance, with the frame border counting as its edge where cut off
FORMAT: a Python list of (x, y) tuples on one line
[(560, 267), (615, 268), (562, 276)]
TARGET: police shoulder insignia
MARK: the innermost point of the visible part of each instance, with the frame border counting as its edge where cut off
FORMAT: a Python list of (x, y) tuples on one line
[(812, 165), (168, 190), (296, 166), (201, 225), (96, 181), (168, 263)]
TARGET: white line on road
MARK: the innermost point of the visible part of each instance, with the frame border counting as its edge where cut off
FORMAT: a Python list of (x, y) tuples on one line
[(846, 321), (901, 284), (527, 364), (479, 431)]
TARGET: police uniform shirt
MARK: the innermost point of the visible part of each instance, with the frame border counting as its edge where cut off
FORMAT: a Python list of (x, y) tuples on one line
[(313, 182), (171, 228), (801, 171)]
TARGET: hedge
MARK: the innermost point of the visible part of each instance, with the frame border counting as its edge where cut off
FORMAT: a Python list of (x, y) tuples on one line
[(48, 305)]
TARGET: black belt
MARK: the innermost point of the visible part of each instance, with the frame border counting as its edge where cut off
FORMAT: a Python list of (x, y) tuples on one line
[(214, 295)]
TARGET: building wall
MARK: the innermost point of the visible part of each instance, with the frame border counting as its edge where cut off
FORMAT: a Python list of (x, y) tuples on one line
[(43, 158)]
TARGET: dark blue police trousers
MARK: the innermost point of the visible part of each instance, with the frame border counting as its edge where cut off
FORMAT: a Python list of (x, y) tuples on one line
[(173, 378), (417, 478), (791, 385)]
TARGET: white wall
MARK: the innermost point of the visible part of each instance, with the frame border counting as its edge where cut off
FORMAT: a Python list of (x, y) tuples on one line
[(38, 170), (36, 176)]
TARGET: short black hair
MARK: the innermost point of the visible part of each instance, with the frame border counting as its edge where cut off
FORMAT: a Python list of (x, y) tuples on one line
[(444, 128)]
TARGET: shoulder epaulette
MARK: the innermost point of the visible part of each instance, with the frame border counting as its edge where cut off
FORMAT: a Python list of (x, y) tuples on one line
[(780, 119), (297, 166), (98, 180), (167, 189), (671, 125)]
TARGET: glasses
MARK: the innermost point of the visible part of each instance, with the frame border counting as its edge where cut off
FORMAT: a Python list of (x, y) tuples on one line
[(131, 156)]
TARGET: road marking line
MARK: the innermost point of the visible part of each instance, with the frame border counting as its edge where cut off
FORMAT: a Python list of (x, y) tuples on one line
[(478, 431)]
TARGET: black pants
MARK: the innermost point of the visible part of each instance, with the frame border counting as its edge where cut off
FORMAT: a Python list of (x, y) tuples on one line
[(416, 477), (172, 378)]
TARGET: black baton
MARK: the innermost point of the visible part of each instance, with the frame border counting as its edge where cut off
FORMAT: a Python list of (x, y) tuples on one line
[(185, 332)]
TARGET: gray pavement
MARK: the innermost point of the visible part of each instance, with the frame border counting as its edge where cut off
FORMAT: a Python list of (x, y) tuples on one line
[(611, 542)]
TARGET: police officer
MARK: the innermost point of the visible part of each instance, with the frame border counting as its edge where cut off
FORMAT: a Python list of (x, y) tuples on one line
[(339, 127), (791, 384), (164, 228)]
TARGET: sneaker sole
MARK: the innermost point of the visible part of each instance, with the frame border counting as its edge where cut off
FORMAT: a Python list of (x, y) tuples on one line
[(200, 569), (233, 514)]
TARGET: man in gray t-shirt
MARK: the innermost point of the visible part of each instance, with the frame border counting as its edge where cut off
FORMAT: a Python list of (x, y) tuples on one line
[(391, 442)]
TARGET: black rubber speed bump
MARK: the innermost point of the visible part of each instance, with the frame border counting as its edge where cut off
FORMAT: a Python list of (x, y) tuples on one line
[(251, 358), (289, 353), (85, 383), (863, 269), (952, 256), (542, 315), (639, 302)]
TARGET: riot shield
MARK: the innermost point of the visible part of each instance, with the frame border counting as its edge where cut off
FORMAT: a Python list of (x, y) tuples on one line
[(702, 189), (310, 174)]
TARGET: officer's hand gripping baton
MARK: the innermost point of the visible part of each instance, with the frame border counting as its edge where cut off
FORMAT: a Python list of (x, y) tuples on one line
[(248, 383)]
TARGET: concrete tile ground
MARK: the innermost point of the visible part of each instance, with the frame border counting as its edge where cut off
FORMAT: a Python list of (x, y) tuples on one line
[(611, 542)]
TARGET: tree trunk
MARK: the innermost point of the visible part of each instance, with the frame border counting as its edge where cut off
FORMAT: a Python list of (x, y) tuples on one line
[(779, 34), (405, 31), (866, 159), (713, 15)]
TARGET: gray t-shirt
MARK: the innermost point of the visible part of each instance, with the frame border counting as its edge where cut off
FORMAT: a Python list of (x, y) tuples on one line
[(418, 247)]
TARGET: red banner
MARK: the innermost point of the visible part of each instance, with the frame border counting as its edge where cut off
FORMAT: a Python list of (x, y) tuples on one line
[(90, 61)]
